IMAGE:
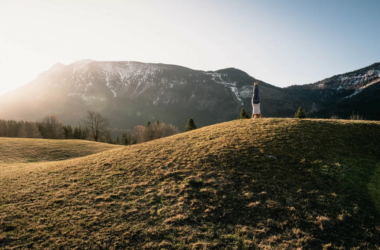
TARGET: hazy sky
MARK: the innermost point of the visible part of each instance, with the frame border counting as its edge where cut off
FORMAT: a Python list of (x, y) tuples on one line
[(282, 42)]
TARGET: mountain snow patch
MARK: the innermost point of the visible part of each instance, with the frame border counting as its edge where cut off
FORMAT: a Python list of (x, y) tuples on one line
[(350, 80), (217, 77), (355, 93)]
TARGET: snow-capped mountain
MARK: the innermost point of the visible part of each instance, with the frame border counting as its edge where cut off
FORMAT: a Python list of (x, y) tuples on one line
[(358, 79), (131, 93), (354, 92)]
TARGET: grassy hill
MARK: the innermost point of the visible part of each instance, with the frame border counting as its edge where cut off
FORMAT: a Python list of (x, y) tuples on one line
[(245, 184), (20, 155), (21, 150)]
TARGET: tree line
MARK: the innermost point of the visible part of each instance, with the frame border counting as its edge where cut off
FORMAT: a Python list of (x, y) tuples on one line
[(49, 128), (94, 127)]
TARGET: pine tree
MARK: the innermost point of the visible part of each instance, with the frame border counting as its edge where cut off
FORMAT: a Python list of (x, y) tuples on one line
[(109, 138), (190, 125), (243, 114), (76, 134), (148, 124), (117, 140), (125, 139), (68, 132), (300, 113)]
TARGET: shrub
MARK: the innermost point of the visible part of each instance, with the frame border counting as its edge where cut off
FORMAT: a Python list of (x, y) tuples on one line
[(300, 113), (243, 114), (190, 125), (147, 133), (354, 116)]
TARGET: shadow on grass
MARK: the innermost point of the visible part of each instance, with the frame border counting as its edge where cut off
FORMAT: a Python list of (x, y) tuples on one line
[(314, 189)]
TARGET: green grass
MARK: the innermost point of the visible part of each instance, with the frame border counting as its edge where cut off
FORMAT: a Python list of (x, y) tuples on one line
[(245, 184)]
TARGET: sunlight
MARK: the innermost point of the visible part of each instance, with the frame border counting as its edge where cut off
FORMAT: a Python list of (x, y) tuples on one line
[(19, 65)]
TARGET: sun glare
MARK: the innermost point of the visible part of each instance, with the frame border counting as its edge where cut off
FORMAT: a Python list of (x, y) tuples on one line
[(19, 65)]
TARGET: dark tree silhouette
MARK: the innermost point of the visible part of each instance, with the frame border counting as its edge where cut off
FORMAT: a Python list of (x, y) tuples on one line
[(96, 124), (51, 127), (300, 113), (243, 114), (190, 125)]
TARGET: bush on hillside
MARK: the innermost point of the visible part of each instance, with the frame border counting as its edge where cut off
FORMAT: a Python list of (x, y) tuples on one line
[(300, 113), (153, 131), (190, 125), (243, 114), (354, 116)]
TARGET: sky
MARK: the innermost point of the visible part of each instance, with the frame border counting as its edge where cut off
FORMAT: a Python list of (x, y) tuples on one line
[(280, 42)]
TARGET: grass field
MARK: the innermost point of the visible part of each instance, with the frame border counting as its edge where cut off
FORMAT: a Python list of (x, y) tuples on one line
[(245, 184), (19, 155), (20, 150)]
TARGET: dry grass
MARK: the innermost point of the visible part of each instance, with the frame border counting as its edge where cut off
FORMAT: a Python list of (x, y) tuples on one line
[(20, 150), (19, 155), (245, 184)]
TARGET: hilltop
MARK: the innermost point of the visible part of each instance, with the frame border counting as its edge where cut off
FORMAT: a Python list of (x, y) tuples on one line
[(242, 184)]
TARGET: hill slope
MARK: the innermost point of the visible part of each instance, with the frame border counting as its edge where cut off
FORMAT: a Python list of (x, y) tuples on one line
[(19, 155), (20, 150), (243, 184)]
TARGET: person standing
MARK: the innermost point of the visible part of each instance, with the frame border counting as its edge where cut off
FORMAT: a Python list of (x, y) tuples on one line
[(256, 113)]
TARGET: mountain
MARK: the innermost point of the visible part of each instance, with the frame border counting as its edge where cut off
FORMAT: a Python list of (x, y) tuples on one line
[(341, 95), (245, 184), (131, 93)]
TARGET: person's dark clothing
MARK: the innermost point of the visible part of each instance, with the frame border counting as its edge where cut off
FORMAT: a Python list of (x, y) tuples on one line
[(255, 97)]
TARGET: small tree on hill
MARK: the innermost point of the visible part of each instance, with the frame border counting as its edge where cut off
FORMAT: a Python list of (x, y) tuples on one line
[(243, 114), (300, 113), (190, 125)]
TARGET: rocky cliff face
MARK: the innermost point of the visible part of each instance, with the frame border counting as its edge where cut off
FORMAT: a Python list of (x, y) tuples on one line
[(131, 93)]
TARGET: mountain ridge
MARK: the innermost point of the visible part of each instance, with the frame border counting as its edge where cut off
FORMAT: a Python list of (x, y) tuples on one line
[(149, 91)]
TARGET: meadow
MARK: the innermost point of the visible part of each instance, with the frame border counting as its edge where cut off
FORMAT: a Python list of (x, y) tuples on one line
[(244, 184)]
